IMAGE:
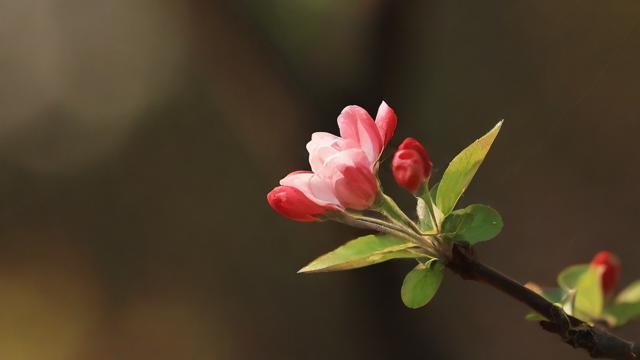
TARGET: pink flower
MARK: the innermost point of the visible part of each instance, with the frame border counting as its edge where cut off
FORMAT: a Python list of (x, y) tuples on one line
[(411, 165), (357, 125), (350, 177), (343, 167)]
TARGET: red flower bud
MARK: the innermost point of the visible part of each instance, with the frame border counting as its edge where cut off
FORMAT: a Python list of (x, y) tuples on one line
[(411, 165), (294, 204), (610, 269), (415, 145)]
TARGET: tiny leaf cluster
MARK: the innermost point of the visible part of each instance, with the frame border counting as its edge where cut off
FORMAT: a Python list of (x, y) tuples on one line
[(580, 294)]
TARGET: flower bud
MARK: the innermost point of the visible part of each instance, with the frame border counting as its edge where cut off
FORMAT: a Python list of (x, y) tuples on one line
[(610, 270), (411, 165), (294, 204)]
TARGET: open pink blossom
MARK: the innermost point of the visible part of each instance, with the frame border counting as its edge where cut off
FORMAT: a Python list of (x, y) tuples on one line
[(343, 167)]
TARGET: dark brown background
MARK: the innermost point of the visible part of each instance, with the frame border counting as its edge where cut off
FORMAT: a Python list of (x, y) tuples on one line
[(138, 140)]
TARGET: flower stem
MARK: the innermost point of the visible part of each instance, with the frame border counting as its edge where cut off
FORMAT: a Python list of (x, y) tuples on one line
[(381, 222), (422, 239), (387, 207), (426, 244)]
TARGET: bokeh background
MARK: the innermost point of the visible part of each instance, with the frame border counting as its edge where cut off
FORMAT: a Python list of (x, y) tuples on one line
[(138, 140)]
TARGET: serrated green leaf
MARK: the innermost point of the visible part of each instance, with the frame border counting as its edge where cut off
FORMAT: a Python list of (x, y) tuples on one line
[(589, 299), (630, 294), (462, 169), (363, 251), (622, 313), (473, 224), (569, 277), (421, 284)]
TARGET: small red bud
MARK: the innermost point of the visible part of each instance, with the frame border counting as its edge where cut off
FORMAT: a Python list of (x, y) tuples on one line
[(610, 269), (411, 165)]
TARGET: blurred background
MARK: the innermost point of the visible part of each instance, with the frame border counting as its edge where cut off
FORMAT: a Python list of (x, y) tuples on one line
[(138, 140)]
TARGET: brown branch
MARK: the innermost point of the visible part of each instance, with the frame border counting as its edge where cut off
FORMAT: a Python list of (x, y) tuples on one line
[(596, 340)]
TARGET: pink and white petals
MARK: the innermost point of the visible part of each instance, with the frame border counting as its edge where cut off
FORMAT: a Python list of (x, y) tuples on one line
[(343, 167), (386, 122), (313, 187), (323, 146), (351, 178), (356, 187), (293, 204), (356, 125)]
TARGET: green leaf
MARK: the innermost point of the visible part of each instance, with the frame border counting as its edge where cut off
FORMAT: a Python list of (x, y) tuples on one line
[(569, 277), (421, 284), (534, 316), (363, 251), (462, 169), (589, 298), (630, 294), (554, 295), (627, 306), (434, 190), (472, 224), (423, 215), (422, 208), (620, 314)]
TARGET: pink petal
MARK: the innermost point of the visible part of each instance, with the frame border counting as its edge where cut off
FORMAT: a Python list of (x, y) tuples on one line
[(292, 203), (322, 190), (352, 180), (324, 145), (312, 186), (356, 188), (386, 121), (335, 163), (321, 139), (357, 125)]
